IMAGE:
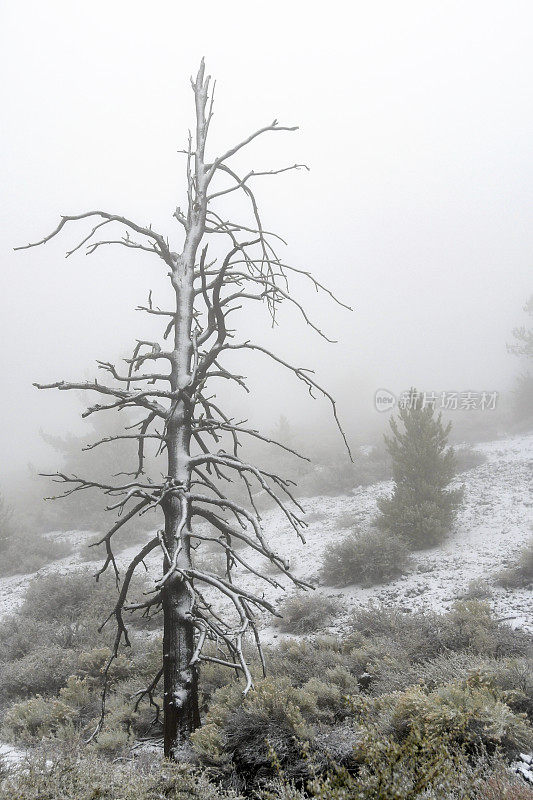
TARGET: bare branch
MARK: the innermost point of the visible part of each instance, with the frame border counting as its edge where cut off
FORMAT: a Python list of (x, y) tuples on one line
[(303, 375), (235, 149)]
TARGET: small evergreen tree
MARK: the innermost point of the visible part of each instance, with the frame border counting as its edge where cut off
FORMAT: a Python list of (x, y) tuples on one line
[(523, 391), (523, 345), (6, 524), (420, 510)]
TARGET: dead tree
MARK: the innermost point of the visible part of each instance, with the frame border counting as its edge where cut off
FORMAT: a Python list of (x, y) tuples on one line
[(177, 410)]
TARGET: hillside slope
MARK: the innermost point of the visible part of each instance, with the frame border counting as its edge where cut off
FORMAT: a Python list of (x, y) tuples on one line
[(492, 526)]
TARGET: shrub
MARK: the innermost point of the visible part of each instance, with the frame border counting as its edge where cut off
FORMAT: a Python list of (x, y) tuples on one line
[(36, 717), (42, 671), (90, 551), (86, 776), (366, 558), (502, 786), (26, 553), (112, 740), (7, 529), (214, 562), (513, 677), (422, 524), (521, 573), (344, 520), (40, 647), (469, 626), (275, 725), (416, 768), (471, 712), (20, 636), (93, 549), (467, 458), (478, 590), (301, 660), (304, 612), (78, 694), (522, 401), (434, 672), (65, 598), (240, 734)]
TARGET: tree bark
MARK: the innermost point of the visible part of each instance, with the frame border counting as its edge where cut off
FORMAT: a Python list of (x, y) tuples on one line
[(181, 713)]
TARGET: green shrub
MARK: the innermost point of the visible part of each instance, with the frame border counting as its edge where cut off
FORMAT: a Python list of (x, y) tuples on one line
[(215, 676), (472, 713), (417, 768), (65, 598), (76, 604), (35, 718), (306, 612), (41, 646), (503, 786), (478, 590), (240, 734), (400, 649), (468, 458), (365, 558), (7, 526), (513, 677), (302, 660), (275, 724), (521, 573), (422, 524), (43, 671), (112, 740), (332, 478), (523, 401), (214, 562), (126, 537), (410, 770), (469, 626), (79, 694), (20, 636), (88, 776), (92, 662), (26, 553)]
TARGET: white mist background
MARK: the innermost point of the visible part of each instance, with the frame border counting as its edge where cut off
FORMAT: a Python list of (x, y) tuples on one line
[(415, 119)]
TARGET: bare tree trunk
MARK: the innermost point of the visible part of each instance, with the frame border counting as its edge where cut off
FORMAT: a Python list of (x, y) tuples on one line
[(181, 714), (180, 699), (180, 702)]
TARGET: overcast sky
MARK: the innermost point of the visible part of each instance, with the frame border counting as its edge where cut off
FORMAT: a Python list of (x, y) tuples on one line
[(416, 121)]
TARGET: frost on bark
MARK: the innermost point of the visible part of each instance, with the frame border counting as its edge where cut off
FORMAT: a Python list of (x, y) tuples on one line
[(169, 385)]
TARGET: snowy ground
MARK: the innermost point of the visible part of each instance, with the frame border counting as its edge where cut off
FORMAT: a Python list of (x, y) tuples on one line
[(492, 526)]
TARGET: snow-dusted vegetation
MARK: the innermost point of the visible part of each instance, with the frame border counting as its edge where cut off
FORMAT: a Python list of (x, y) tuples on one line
[(445, 637)]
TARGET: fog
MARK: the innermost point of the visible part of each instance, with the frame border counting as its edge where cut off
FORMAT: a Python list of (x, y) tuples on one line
[(415, 120)]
